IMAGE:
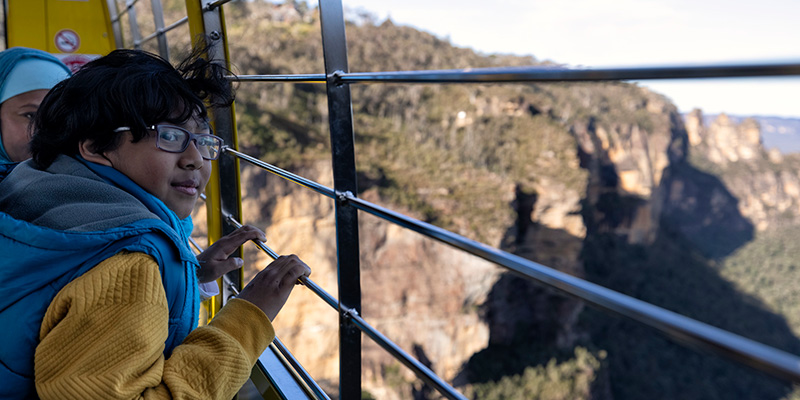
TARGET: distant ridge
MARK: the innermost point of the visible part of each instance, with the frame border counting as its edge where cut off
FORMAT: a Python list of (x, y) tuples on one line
[(776, 132)]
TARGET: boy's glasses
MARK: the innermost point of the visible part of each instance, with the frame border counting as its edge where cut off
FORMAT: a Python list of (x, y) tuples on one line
[(174, 139)]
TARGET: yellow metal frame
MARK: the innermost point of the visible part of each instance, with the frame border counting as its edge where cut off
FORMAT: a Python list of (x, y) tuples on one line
[(60, 27)]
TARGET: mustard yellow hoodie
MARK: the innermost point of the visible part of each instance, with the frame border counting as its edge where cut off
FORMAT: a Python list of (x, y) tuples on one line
[(103, 337)]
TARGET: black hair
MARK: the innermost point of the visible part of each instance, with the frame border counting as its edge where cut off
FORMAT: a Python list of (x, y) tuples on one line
[(129, 88)]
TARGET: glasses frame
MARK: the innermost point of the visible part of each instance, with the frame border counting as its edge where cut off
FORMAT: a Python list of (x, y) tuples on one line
[(192, 138)]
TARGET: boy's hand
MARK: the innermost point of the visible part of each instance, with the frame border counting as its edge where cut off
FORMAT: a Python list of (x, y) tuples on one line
[(271, 287), (216, 260)]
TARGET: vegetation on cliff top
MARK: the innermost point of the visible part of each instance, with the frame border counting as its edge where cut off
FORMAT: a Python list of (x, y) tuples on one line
[(449, 154)]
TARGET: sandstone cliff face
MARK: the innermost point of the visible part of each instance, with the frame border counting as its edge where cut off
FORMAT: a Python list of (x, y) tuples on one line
[(427, 297), (628, 160), (726, 141), (419, 293), (767, 185), (441, 304)]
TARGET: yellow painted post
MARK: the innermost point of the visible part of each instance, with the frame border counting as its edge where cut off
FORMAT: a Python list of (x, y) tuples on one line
[(26, 24), (74, 31)]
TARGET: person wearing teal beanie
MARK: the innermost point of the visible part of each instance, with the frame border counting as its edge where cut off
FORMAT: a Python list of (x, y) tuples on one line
[(26, 75)]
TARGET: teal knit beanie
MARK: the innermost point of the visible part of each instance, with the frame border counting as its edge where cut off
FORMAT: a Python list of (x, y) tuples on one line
[(23, 70)]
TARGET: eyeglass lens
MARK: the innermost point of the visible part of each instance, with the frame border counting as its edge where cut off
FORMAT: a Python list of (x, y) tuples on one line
[(175, 140)]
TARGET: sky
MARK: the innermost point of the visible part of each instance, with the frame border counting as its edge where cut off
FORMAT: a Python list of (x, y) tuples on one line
[(629, 33)]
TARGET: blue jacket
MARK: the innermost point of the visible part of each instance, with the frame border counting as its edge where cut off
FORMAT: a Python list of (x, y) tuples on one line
[(89, 213)]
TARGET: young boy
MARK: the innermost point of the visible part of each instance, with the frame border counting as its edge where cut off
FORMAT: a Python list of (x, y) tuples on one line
[(102, 287)]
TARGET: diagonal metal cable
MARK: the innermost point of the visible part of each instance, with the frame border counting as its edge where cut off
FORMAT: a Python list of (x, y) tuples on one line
[(421, 370), (128, 6), (276, 343)]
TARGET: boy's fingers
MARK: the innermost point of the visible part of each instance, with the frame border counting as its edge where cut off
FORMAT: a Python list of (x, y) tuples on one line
[(232, 241), (215, 269)]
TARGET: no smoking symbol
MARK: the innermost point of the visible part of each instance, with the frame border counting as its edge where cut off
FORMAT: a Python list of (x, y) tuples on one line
[(67, 40)]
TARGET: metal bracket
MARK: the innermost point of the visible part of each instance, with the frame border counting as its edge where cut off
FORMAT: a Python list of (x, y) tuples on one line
[(343, 197)]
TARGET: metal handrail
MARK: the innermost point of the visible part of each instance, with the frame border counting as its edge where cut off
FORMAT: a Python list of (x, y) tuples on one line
[(128, 5), (164, 30), (310, 382), (678, 327), (564, 74), (538, 74), (303, 279), (294, 78), (421, 370), (321, 189), (304, 375)]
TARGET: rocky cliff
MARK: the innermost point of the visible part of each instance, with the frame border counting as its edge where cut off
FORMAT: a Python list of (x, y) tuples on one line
[(440, 304), (766, 184), (602, 181), (421, 294)]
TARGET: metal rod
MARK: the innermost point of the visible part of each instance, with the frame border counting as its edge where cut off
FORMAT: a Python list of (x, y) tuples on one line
[(323, 190), (296, 78), (128, 5), (304, 375), (561, 74), (303, 279), (116, 26), (536, 74), (683, 329), (176, 24), (421, 370), (163, 31), (261, 245), (151, 37), (195, 245), (158, 21), (348, 257), (680, 328), (215, 4), (311, 285), (136, 35)]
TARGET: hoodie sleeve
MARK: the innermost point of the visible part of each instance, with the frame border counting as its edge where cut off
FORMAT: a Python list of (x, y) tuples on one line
[(103, 337)]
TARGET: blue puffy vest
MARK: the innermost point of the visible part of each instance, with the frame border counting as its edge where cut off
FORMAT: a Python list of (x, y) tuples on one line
[(37, 262)]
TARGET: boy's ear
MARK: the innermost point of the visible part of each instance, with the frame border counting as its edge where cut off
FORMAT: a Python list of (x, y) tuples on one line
[(85, 148)]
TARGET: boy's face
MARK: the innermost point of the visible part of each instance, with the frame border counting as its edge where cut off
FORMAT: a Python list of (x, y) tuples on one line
[(16, 114), (177, 179)]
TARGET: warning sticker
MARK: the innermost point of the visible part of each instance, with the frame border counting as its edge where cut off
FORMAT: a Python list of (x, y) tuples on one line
[(67, 41), (76, 61)]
